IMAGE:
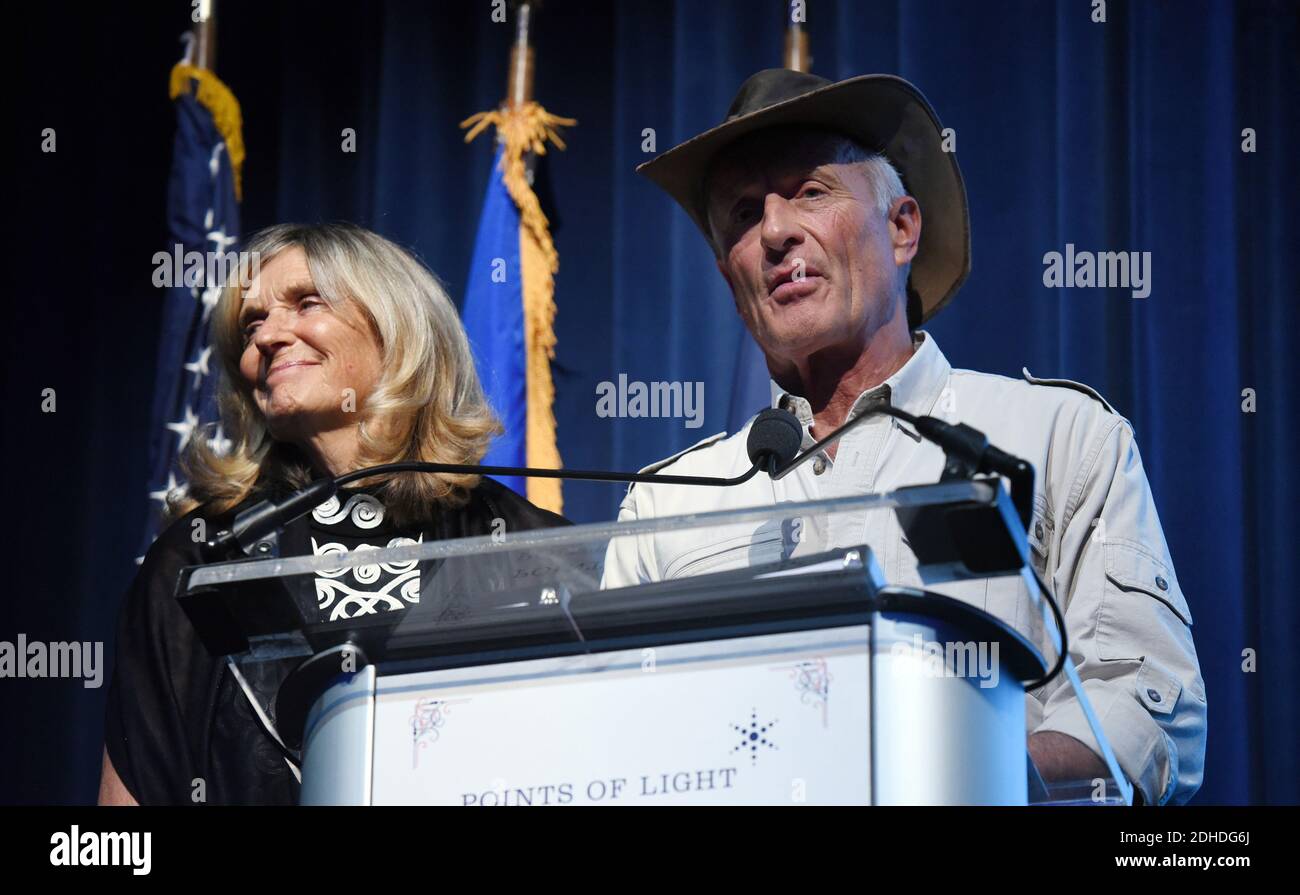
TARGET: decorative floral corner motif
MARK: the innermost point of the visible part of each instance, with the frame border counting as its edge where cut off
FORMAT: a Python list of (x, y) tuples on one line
[(427, 721), (812, 681)]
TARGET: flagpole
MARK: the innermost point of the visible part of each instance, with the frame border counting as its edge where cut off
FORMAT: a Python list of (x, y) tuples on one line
[(519, 71), (519, 80), (523, 130), (798, 56), (202, 215), (205, 36), (196, 75)]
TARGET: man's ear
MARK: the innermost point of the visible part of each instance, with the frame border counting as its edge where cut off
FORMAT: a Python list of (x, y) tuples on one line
[(905, 229)]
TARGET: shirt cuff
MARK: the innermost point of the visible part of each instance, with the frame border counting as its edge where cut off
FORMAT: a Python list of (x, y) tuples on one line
[(1142, 749)]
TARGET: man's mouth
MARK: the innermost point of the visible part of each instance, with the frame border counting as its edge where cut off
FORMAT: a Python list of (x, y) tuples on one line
[(793, 284)]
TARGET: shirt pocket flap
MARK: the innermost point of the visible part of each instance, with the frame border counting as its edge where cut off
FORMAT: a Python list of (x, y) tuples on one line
[(1132, 568), (1157, 689)]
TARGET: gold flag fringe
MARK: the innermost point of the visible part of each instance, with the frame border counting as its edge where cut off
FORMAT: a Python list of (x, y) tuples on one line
[(216, 97), (524, 128)]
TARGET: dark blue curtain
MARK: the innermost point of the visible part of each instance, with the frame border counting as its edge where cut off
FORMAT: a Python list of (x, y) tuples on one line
[(1117, 136)]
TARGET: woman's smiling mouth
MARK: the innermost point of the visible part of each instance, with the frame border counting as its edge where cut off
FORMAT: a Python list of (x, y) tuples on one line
[(283, 368)]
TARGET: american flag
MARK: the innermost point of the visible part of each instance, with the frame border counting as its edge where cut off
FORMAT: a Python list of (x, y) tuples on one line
[(202, 217)]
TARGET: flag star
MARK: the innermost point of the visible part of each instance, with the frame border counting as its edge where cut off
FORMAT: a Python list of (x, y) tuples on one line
[(211, 296), (185, 428), (223, 241), (200, 366), (214, 161), (219, 442), (161, 496)]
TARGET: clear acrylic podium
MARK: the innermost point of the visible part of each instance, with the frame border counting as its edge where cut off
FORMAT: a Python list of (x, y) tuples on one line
[(759, 656)]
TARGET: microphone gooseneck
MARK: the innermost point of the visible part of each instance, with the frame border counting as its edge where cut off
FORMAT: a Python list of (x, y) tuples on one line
[(774, 439), (967, 450), (254, 526)]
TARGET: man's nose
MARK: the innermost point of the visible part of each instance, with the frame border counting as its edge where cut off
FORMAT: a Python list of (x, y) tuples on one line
[(780, 228)]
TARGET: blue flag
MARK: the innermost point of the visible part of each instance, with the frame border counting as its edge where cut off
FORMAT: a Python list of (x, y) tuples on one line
[(494, 320), (203, 218)]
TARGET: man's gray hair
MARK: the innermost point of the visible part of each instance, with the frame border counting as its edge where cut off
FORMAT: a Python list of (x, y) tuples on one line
[(886, 185)]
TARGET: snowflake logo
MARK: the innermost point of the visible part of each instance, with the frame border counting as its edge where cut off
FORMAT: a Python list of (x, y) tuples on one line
[(752, 736)]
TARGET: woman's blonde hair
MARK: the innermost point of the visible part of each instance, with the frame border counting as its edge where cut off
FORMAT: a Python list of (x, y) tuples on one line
[(428, 404)]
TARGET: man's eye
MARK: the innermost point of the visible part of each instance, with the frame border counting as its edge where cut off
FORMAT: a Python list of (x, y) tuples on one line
[(812, 192)]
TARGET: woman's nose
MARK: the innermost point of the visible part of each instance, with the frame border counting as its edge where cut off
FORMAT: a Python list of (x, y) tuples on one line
[(274, 331)]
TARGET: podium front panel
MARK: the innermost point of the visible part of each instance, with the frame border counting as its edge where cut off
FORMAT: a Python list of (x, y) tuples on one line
[(757, 720)]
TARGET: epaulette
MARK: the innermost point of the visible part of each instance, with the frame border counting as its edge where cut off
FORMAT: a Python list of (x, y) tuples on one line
[(1069, 383)]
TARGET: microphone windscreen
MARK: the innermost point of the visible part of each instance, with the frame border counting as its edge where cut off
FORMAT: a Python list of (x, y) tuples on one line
[(774, 433)]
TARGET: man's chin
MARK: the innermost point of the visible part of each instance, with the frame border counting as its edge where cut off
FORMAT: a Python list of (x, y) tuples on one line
[(792, 346)]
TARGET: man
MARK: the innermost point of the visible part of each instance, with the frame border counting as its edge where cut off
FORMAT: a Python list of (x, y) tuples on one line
[(840, 225)]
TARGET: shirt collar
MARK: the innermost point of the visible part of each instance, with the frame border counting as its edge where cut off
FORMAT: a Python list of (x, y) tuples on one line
[(915, 387)]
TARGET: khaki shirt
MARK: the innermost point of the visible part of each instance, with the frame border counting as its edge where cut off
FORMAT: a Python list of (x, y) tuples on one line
[(1095, 535)]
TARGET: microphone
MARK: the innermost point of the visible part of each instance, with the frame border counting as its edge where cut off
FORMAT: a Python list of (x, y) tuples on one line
[(967, 450), (774, 439)]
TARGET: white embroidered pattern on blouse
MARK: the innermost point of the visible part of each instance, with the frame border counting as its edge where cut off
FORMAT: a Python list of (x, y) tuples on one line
[(401, 589), (366, 511)]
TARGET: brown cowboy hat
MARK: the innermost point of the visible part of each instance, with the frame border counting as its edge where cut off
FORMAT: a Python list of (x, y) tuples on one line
[(885, 114)]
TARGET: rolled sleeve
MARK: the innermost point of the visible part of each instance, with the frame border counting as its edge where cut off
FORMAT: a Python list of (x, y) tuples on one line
[(1129, 624)]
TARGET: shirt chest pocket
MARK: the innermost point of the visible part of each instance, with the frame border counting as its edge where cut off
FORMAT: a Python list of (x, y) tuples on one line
[(1141, 598)]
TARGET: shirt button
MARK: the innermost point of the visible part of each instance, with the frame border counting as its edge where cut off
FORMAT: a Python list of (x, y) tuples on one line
[(819, 465), (1162, 583), (1038, 530), (1153, 695)]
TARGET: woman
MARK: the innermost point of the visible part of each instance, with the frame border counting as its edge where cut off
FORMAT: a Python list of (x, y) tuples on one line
[(342, 352)]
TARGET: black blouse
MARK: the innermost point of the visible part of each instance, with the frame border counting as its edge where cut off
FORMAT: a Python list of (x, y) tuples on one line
[(179, 730)]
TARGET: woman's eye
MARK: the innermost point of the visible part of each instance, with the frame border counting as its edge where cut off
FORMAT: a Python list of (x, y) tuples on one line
[(812, 192)]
